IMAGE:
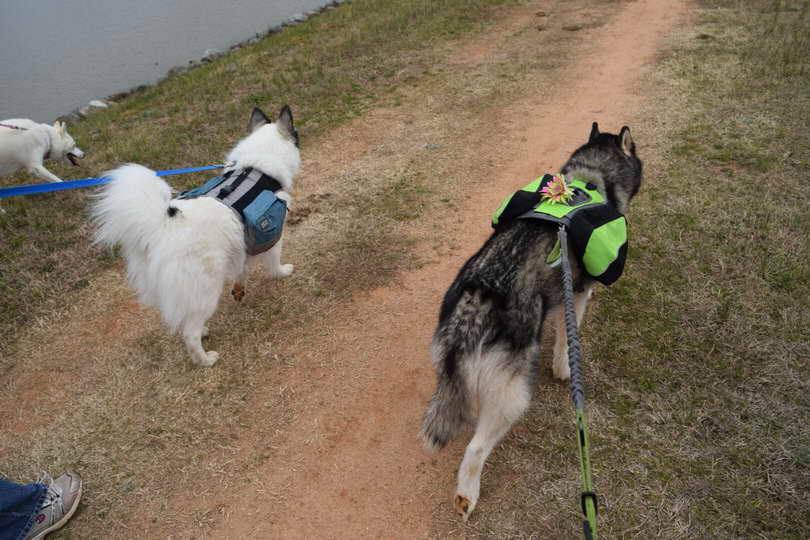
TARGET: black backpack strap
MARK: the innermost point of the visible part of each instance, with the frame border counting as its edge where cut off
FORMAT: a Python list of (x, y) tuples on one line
[(523, 202), (227, 190), (205, 188), (269, 183), (264, 183)]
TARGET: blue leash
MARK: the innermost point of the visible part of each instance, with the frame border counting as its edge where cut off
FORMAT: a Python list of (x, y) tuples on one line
[(86, 182)]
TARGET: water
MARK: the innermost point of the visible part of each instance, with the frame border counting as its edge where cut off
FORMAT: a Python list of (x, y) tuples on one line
[(56, 56)]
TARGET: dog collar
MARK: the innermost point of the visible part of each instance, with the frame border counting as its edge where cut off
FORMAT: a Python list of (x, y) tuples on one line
[(9, 126)]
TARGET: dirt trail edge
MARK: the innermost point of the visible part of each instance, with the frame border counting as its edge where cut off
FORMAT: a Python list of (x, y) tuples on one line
[(353, 466)]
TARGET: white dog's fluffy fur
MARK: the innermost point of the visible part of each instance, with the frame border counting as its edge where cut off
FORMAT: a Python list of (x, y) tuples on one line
[(180, 264)]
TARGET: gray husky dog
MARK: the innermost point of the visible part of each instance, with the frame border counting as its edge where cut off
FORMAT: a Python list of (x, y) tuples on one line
[(486, 347)]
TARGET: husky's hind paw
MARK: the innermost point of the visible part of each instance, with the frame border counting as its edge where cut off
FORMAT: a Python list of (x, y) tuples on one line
[(559, 365), (561, 371), (464, 506), (238, 292)]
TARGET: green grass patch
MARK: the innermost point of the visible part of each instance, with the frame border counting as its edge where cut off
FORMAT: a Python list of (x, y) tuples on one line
[(700, 363)]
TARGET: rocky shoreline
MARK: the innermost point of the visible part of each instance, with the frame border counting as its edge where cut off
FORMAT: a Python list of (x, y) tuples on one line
[(209, 56)]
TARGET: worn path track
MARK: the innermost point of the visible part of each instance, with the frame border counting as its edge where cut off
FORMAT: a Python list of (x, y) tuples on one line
[(353, 467)]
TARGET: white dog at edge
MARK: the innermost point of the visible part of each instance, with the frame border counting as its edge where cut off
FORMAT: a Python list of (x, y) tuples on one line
[(179, 261), (25, 144)]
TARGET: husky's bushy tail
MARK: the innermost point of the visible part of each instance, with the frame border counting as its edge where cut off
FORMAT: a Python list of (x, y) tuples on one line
[(457, 337), (178, 252), (448, 409)]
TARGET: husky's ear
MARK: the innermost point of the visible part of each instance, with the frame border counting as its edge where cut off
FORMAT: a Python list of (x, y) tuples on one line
[(594, 132), (626, 142), (59, 127), (257, 120), (285, 121)]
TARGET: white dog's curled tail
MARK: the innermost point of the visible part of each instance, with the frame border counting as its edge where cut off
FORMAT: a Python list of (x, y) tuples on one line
[(131, 208), (179, 253)]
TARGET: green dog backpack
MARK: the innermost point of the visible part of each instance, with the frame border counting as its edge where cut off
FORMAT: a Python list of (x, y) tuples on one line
[(598, 232), (251, 194)]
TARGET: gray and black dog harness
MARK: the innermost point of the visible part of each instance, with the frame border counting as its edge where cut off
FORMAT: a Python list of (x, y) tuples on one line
[(252, 195)]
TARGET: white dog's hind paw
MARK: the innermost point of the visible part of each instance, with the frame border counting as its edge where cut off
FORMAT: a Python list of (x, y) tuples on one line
[(238, 292), (282, 271), (210, 359)]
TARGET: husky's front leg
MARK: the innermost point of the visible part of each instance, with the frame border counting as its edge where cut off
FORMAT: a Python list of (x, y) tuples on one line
[(560, 363)]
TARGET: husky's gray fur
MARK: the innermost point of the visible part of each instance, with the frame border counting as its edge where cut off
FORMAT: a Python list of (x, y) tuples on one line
[(486, 347)]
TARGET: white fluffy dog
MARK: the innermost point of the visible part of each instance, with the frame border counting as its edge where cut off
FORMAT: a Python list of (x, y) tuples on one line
[(26, 144), (181, 252)]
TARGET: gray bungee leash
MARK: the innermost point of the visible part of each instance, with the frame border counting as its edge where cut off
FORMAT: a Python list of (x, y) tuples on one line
[(588, 499)]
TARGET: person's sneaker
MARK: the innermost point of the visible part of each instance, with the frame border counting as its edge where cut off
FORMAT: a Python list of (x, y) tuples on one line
[(61, 500)]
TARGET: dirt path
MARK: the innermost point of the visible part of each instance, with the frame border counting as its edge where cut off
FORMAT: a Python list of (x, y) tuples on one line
[(353, 467)]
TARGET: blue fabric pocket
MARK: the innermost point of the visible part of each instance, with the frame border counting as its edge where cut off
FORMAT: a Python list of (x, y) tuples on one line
[(264, 221)]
